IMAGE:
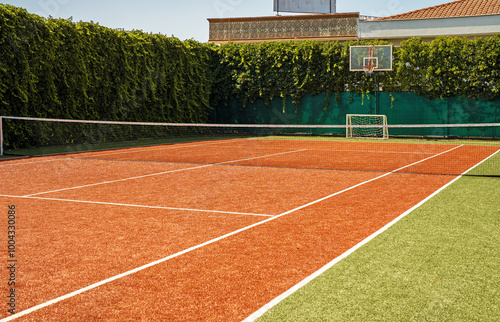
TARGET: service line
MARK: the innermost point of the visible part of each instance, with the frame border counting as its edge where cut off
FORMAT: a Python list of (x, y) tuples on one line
[(138, 149), (139, 206)]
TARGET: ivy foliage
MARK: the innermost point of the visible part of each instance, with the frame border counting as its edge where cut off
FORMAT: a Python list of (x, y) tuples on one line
[(445, 67), (451, 66), (285, 69), (61, 69)]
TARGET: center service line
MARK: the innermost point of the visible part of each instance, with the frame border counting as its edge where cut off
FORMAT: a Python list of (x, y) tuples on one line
[(160, 173)]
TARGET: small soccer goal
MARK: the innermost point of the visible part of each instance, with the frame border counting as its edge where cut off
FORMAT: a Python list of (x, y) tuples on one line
[(367, 126)]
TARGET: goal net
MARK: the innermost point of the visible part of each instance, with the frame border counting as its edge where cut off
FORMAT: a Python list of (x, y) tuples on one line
[(367, 126)]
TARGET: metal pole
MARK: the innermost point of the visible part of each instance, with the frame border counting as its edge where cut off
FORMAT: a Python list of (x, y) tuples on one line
[(1, 136), (377, 108)]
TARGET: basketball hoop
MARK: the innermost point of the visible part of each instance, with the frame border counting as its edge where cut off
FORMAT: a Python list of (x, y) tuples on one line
[(368, 69)]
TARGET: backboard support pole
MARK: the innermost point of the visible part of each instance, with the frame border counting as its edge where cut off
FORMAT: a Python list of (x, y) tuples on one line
[(377, 105)]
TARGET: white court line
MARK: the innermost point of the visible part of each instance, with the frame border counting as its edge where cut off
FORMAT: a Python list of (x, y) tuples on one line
[(160, 173), (325, 268), (383, 152), (436, 155), (138, 149), (119, 180), (138, 269), (2, 164), (139, 206), (333, 150)]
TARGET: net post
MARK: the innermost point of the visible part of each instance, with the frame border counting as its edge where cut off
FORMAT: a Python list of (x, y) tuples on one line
[(1, 135)]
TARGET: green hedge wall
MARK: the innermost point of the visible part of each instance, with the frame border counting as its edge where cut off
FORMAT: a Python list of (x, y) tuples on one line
[(450, 66), (60, 69), (284, 69), (445, 67)]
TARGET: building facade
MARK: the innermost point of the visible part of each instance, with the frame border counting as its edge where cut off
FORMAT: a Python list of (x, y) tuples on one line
[(464, 18), (324, 27)]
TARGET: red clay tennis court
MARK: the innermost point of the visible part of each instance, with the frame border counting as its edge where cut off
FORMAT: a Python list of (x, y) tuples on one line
[(205, 231)]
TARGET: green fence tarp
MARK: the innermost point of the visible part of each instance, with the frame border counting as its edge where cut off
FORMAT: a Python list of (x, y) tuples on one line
[(400, 109)]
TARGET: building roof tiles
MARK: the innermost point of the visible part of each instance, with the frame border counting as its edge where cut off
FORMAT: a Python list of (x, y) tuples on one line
[(460, 8)]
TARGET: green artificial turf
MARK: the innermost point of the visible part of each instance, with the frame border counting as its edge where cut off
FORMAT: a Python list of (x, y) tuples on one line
[(439, 263)]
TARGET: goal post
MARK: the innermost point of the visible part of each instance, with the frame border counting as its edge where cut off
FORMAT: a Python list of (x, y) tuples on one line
[(367, 126)]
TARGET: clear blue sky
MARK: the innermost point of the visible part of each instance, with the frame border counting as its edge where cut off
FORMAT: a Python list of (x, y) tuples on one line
[(187, 19)]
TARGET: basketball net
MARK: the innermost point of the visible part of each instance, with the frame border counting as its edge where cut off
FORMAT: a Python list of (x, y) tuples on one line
[(370, 67)]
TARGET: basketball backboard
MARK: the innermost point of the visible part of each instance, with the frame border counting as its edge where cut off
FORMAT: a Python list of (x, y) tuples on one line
[(379, 57)]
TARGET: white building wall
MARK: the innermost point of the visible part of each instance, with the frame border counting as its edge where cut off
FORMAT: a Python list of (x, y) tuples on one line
[(430, 28)]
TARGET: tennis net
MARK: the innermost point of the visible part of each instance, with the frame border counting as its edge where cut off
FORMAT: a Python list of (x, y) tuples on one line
[(429, 149)]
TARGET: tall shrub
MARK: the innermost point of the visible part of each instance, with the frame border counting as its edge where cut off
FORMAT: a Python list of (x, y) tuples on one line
[(58, 68)]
